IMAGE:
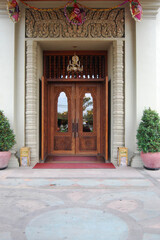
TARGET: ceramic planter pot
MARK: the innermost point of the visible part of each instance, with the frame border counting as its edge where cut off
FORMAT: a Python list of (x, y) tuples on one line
[(4, 159), (151, 160)]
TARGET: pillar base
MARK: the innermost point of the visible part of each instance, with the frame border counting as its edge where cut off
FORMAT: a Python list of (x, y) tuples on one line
[(13, 163), (136, 161)]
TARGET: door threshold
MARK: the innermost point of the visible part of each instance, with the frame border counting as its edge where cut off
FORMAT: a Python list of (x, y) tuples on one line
[(74, 159)]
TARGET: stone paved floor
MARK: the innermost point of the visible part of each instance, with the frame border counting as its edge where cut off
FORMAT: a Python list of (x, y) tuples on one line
[(90, 204)]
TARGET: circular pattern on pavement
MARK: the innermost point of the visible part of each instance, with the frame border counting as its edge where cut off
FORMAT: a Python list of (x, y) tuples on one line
[(77, 223)]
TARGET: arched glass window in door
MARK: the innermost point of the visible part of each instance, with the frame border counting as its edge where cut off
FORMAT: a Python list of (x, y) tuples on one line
[(88, 113), (62, 113)]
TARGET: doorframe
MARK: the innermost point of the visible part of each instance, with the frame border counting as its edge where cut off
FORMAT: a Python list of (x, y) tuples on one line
[(33, 69), (50, 58)]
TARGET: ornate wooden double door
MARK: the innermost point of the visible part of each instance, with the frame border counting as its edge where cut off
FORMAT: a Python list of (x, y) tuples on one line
[(74, 118), (74, 109)]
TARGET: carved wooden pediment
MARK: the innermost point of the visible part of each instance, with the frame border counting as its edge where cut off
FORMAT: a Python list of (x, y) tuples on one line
[(53, 24)]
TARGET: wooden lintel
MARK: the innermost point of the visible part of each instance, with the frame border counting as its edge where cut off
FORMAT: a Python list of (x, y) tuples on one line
[(75, 80)]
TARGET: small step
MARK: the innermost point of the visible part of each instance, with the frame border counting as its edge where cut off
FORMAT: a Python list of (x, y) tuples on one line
[(74, 159)]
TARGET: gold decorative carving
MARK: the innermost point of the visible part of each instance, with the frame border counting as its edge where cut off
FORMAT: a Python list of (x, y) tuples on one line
[(105, 24)]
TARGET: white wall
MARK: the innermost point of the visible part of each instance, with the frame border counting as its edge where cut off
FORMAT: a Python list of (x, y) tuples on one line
[(12, 70), (7, 68), (130, 83), (158, 61), (147, 80), (20, 81), (146, 86)]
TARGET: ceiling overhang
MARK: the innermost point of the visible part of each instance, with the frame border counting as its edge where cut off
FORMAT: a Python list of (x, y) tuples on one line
[(69, 44)]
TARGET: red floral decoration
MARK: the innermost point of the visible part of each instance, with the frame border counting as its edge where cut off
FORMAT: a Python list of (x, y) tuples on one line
[(13, 10), (136, 10), (74, 13)]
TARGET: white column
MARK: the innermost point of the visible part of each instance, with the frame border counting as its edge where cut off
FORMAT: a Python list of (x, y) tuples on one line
[(31, 127), (7, 71), (118, 98), (147, 89)]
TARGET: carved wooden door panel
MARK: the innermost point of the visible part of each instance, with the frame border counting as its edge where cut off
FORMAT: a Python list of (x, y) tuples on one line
[(62, 112), (88, 119), (74, 119)]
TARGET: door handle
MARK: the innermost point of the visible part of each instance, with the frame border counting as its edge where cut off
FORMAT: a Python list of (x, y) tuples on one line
[(73, 129), (77, 129)]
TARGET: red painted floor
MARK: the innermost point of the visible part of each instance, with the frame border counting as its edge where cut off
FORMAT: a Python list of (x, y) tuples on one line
[(73, 162)]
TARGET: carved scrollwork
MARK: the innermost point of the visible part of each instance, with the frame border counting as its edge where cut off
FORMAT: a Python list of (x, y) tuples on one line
[(53, 24)]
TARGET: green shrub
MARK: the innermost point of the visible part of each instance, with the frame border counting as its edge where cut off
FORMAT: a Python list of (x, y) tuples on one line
[(7, 137), (148, 133)]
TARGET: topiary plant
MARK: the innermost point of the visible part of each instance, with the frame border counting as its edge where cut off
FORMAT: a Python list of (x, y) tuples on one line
[(148, 133), (7, 137)]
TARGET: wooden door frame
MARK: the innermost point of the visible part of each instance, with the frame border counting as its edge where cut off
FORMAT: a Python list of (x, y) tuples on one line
[(44, 118), (103, 94)]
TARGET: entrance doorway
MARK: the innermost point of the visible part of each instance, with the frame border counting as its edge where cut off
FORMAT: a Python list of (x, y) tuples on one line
[(74, 106), (74, 118)]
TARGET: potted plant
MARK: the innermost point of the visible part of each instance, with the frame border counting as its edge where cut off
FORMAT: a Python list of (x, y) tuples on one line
[(7, 141), (148, 136)]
